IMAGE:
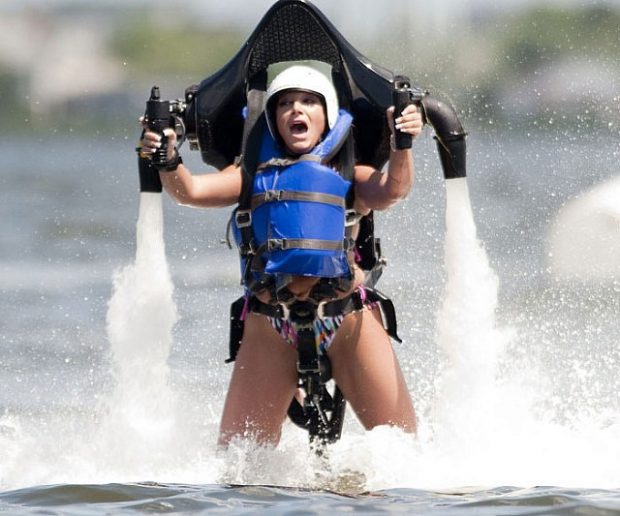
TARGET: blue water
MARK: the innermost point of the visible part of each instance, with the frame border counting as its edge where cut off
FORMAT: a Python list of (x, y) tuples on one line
[(167, 499), (545, 412)]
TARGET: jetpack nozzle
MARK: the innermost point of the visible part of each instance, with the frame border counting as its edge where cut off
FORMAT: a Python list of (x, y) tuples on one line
[(149, 176), (449, 134)]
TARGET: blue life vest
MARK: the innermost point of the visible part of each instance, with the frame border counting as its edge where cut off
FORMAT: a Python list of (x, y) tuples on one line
[(297, 213)]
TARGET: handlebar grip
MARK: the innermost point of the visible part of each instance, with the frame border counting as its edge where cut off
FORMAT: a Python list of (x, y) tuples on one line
[(158, 118), (401, 98)]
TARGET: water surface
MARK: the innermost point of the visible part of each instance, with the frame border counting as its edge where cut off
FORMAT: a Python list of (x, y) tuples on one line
[(533, 402)]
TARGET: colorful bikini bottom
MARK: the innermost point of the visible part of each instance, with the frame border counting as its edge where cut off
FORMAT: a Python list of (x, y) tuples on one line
[(325, 328)]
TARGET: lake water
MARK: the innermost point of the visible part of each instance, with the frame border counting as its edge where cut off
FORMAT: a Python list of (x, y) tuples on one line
[(513, 369)]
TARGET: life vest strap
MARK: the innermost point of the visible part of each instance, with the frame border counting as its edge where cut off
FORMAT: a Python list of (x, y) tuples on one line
[(273, 244), (289, 195)]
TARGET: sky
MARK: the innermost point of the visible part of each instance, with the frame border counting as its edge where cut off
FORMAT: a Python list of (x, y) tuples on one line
[(355, 18), (359, 18), (249, 11), (342, 12)]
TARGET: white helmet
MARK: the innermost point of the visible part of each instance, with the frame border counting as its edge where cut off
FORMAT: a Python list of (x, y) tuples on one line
[(302, 77)]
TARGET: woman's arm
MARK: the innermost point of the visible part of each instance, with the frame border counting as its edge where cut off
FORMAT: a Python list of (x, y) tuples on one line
[(376, 190), (204, 190)]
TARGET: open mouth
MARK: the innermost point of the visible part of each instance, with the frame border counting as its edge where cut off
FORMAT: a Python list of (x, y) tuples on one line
[(299, 128)]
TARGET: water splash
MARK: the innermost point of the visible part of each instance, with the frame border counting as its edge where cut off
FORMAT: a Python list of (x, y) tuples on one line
[(491, 425), (131, 432), (468, 338), (140, 413)]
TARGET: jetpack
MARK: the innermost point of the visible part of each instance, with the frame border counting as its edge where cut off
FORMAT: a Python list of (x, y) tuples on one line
[(210, 116)]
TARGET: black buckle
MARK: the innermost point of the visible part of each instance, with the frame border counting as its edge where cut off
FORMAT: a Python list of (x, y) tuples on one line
[(348, 244), (351, 217), (302, 313), (247, 249), (275, 243), (243, 218)]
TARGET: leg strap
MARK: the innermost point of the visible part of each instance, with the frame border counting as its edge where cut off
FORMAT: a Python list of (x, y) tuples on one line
[(388, 312)]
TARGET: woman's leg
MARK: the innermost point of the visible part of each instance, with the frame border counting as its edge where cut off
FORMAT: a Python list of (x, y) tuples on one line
[(262, 385), (366, 369)]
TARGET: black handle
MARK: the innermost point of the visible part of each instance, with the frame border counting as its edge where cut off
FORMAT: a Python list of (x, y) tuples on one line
[(401, 98), (158, 118)]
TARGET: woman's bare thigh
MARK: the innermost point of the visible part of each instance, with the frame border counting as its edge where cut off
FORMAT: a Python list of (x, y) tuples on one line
[(262, 385), (368, 373)]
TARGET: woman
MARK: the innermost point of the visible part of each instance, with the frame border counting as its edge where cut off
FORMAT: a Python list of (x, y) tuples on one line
[(301, 109)]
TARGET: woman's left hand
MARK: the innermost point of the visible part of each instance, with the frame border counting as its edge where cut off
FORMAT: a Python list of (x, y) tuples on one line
[(409, 121)]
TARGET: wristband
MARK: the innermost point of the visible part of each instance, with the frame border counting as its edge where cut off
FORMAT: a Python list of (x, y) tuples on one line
[(172, 164)]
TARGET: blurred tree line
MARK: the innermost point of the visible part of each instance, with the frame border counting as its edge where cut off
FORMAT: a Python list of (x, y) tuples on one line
[(189, 49), (475, 65), (541, 36), (505, 69)]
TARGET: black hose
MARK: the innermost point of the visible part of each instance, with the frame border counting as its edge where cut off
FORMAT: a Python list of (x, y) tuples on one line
[(449, 134)]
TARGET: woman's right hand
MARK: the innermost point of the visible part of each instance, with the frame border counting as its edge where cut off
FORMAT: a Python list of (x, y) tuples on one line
[(151, 141)]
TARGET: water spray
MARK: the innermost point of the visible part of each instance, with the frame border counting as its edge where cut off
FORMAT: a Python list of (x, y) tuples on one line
[(140, 320), (467, 337), (469, 341)]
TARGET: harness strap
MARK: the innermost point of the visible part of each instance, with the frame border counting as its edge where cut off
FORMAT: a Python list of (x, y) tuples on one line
[(288, 195), (255, 98), (388, 311), (256, 264), (253, 129), (342, 306), (305, 243), (352, 303)]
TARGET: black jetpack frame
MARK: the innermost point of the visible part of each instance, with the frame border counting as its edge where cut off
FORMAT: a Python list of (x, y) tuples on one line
[(210, 118), (210, 115)]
